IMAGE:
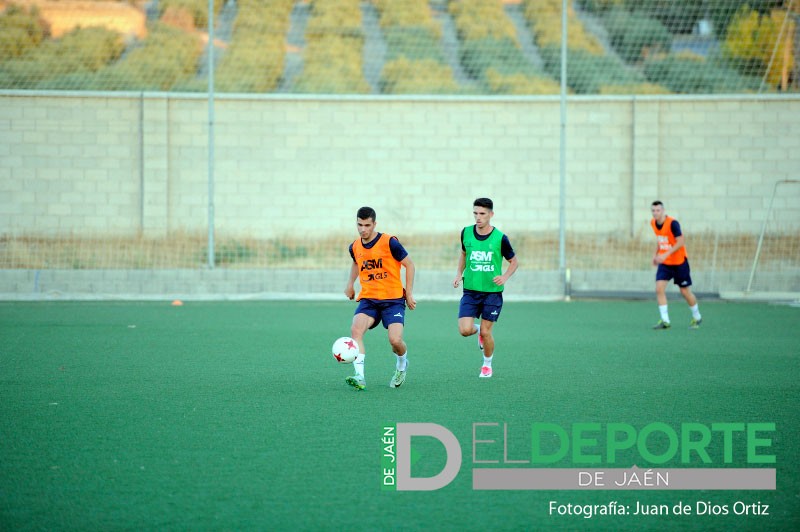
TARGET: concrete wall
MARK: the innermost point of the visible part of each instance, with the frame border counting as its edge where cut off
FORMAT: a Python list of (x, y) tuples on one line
[(124, 163), (268, 283)]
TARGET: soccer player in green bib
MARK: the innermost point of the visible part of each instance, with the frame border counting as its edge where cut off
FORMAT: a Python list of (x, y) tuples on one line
[(480, 265)]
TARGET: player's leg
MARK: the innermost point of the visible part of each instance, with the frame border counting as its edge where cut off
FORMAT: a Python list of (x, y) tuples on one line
[(399, 346), (466, 326), (691, 300), (361, 323), (469, 308), (492, 306), (487, 338), (688, 295), (362, 320), (683, 279), (661, 292), (488, 348), (662, 279), (393, 319)]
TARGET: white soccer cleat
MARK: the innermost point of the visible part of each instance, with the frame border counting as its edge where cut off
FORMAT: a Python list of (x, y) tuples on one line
[(398, 378)]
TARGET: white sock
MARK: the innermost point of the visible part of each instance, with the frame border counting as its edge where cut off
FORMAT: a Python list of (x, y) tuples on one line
[(695, 311), (402, 361), (358, 364), (477, 328), (487, 362), (664, 314)]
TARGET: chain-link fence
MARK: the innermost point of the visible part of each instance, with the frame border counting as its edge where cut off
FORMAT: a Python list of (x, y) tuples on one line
[(415, 107), (484, 47)]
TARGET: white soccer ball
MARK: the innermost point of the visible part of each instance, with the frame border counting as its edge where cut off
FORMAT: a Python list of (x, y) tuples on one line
[(345, 350)]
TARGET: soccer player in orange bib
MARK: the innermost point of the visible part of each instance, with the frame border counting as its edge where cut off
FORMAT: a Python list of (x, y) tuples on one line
[(673, 264), (377, 259)]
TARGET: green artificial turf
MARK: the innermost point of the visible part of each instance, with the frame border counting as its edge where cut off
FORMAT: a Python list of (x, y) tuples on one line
[(234, 415)]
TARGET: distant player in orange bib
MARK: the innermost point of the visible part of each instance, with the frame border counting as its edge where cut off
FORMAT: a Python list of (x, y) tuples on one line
[(377, 260), (673, 264)]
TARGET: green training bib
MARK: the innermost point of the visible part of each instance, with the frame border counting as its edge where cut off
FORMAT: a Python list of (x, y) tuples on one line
[(484, 261)]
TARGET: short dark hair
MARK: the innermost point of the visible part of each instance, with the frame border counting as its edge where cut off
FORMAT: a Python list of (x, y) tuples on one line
[(483, 202), (656, 202), (365, 213)]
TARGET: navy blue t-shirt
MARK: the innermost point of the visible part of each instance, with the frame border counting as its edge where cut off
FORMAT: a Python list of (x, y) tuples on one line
[(397, 249), (675, 227)]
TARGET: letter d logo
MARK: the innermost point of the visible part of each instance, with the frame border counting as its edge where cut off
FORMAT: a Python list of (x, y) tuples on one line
[(452, 448)]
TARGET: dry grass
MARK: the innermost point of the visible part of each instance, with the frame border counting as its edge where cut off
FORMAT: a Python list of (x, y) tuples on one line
[(435, 252), (65, 15)]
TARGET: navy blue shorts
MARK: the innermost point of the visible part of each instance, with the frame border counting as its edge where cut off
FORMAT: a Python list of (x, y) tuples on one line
[(680, 273), (387, 311), (485, 305)]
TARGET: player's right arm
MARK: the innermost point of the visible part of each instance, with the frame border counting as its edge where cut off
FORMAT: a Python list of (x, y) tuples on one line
[(349, 290), (408, 264), (462, 262)]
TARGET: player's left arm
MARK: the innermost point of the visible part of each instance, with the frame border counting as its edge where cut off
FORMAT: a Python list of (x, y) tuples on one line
[(400, 254), (408, 264), (679, 240), (508, 253), (513, 264)]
